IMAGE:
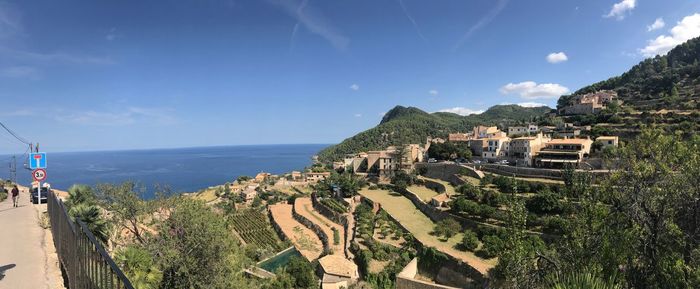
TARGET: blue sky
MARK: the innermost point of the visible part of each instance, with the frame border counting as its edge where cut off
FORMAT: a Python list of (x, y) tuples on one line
[(94, 75)]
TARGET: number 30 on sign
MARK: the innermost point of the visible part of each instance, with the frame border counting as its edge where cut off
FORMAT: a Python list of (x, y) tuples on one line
[(39, 175)]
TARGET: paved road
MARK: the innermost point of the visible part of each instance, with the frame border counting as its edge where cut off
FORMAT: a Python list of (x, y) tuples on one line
[(22, 253)]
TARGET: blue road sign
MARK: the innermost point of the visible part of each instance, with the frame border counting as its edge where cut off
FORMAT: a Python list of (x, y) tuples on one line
[(37, 161)]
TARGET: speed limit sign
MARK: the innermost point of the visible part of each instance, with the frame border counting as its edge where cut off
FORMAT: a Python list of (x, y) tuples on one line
[(39, 175)]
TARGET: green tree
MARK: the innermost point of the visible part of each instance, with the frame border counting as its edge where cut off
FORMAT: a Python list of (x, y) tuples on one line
[(139, 267), (447, 228), (196, 249), (470, 241), (127, 209)]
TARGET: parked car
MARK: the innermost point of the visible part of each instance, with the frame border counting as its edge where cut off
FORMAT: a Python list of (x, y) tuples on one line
[(503, 162), (432, 160), (477, 161), (43, 197)]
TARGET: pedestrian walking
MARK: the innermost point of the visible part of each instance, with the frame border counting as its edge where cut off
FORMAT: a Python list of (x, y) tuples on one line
[(15, 196)]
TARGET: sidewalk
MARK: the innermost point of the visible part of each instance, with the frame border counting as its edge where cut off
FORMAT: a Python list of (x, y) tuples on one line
[(24, 261)]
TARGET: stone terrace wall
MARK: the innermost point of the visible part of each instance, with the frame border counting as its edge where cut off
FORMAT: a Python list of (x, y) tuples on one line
[(317, 229), (469, 270), (335, 217)]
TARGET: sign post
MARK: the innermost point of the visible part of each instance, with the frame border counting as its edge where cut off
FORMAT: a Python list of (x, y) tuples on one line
[(37, 162)]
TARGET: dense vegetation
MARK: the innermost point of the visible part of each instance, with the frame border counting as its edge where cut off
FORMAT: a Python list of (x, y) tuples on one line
[(405, 125), (639, 229), (670, 81)]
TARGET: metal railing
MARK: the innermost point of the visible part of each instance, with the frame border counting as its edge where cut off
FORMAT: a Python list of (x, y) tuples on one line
[(86, 263)]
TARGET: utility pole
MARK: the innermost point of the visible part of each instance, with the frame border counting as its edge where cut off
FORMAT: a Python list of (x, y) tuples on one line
[(13, 170)]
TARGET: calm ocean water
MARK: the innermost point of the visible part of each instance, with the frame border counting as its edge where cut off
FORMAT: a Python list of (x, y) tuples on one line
[(182, 170)]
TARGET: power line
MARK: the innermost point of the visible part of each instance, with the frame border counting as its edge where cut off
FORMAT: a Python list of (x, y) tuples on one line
[(21, 139)]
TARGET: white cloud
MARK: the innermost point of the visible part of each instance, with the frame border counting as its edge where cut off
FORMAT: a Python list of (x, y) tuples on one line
[(19, 72), (684, 30), (433, 92), (358, 115), (557, 57), (619, 10), (462, 110), (314, 21), (532, 90), (658, 24), (355, 87), (531, 104)]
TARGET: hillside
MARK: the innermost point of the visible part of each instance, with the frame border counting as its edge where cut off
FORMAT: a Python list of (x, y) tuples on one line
[(663, 91), (404, 125), (663, 82)]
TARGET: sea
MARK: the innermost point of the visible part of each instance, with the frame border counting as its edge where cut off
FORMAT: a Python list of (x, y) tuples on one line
[(180, 170)]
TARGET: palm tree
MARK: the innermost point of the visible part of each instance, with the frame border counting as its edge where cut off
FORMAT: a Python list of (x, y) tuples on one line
[(583, 280), (91, 215), (139, 266), (79, 194)]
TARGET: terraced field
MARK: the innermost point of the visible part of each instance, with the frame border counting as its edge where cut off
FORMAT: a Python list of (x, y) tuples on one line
[(253, 228), (305, 240), (420, 226)]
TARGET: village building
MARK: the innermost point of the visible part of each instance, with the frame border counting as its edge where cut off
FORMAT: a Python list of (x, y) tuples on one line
[(481, 131), (608, 141), (260, 177), (317, 176), (557, 153), (496, 147), (529, 129), (297, 176), (249, 193), (524, 149), (458, 137), (337, 272), (440, 200), (589, 103)]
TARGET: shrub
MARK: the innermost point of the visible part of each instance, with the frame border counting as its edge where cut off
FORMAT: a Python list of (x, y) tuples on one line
[(336, 237), (470, 241), (555, 225), (544, 204), (492, 198), (470, 192), (493, 245), (447, 227)]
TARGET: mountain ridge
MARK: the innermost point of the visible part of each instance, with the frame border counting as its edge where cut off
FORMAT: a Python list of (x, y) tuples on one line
[(404, 125)]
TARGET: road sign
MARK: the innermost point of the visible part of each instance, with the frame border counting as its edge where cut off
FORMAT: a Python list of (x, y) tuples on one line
[(37, 161), (39, 175)]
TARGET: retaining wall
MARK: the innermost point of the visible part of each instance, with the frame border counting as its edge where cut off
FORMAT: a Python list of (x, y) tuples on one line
[(316, 228)]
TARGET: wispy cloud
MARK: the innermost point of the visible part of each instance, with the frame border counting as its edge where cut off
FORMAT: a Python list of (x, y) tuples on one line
[(533, 90), (128, 116), (410, 18), (485, 20), (462, 110), (433, 92), (19, 72), (17, 112), (355, 87), (54, 57), (10, 20), (358, 115), (684, 30), (557, 57), (314, 21), (112, 34), (658, 24), (619, 10)]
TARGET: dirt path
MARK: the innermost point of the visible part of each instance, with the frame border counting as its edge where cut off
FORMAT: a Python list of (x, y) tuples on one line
[(305, 208), (305, 240)]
